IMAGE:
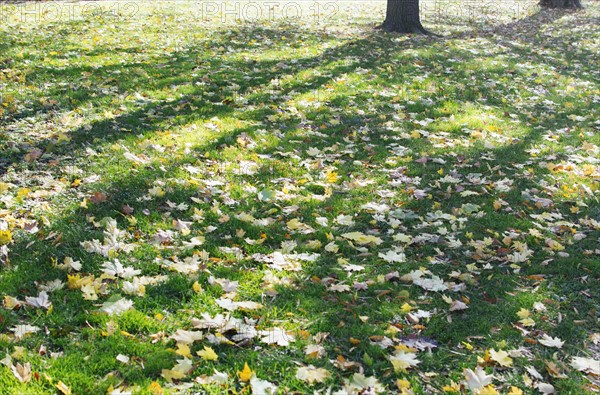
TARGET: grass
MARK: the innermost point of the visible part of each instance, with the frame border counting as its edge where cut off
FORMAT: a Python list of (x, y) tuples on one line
[(457, 151)]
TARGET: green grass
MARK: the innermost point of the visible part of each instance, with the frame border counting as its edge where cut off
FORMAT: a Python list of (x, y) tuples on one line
[(474, 144)]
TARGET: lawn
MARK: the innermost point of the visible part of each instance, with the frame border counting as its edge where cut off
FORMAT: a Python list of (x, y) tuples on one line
[(196, 200)]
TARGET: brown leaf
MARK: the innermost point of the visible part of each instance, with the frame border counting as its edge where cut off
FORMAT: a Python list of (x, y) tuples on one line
[(33, 155), (98, 197), (127, 210)]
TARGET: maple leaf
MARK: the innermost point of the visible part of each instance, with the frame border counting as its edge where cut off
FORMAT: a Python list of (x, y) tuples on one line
[(314, 351), (262, 387), (523, 313), (534, 373), (216, 378), (246, 373), (393, 256), (183, 350), (477, 379), (457, 305), (362, 239), (488, 390), (453, 387), (208, 354), (312, 375), (41, 301), (186, 337), (527, 322), (339, 288), (11, 302), (435, 283), (587, 365), (5, 237), (70, 264), (89, 292), (22, 372), (116, 307), (277, 336), (227, 285), (346, 220), (515, 391), (22, 330), (501, 357), (551, 341), (545, 388), (331, 177), (402, 360), (179, 371), (359, 382)]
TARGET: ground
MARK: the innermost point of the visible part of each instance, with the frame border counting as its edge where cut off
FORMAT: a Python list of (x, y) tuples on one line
[(201, 201)]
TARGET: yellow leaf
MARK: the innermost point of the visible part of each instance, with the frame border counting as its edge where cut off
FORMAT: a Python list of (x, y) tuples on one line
[(208, 354), (415, 135), (523, 313), (489, 390), (62, 387), (23, 193), (501, 357), (406, 308), (11, 302), (515, 391), (155, 388), (331, 177), (362, 239), (183, 350), (171, 375), (197, 287), (402, 384), (527, 322), (73, 281), (468, 346), (453, 387), (5, 237), (246, 373)]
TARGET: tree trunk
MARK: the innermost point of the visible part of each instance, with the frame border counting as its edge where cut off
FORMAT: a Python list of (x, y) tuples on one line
[(402, 16), (561, 4)]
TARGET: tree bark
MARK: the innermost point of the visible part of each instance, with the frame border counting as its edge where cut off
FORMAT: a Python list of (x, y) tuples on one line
[(402, 16), (576, 4)]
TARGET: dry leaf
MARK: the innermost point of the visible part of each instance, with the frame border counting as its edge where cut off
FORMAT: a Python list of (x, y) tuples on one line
[(312, 375)]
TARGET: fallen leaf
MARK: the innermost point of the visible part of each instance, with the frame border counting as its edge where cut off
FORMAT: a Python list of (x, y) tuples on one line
[(22, 372), (587, 365), (312, 375), (477, 379), (208, 354), (551, 341), (62, 387), (245, 374), (501, 357), (402, 360)]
